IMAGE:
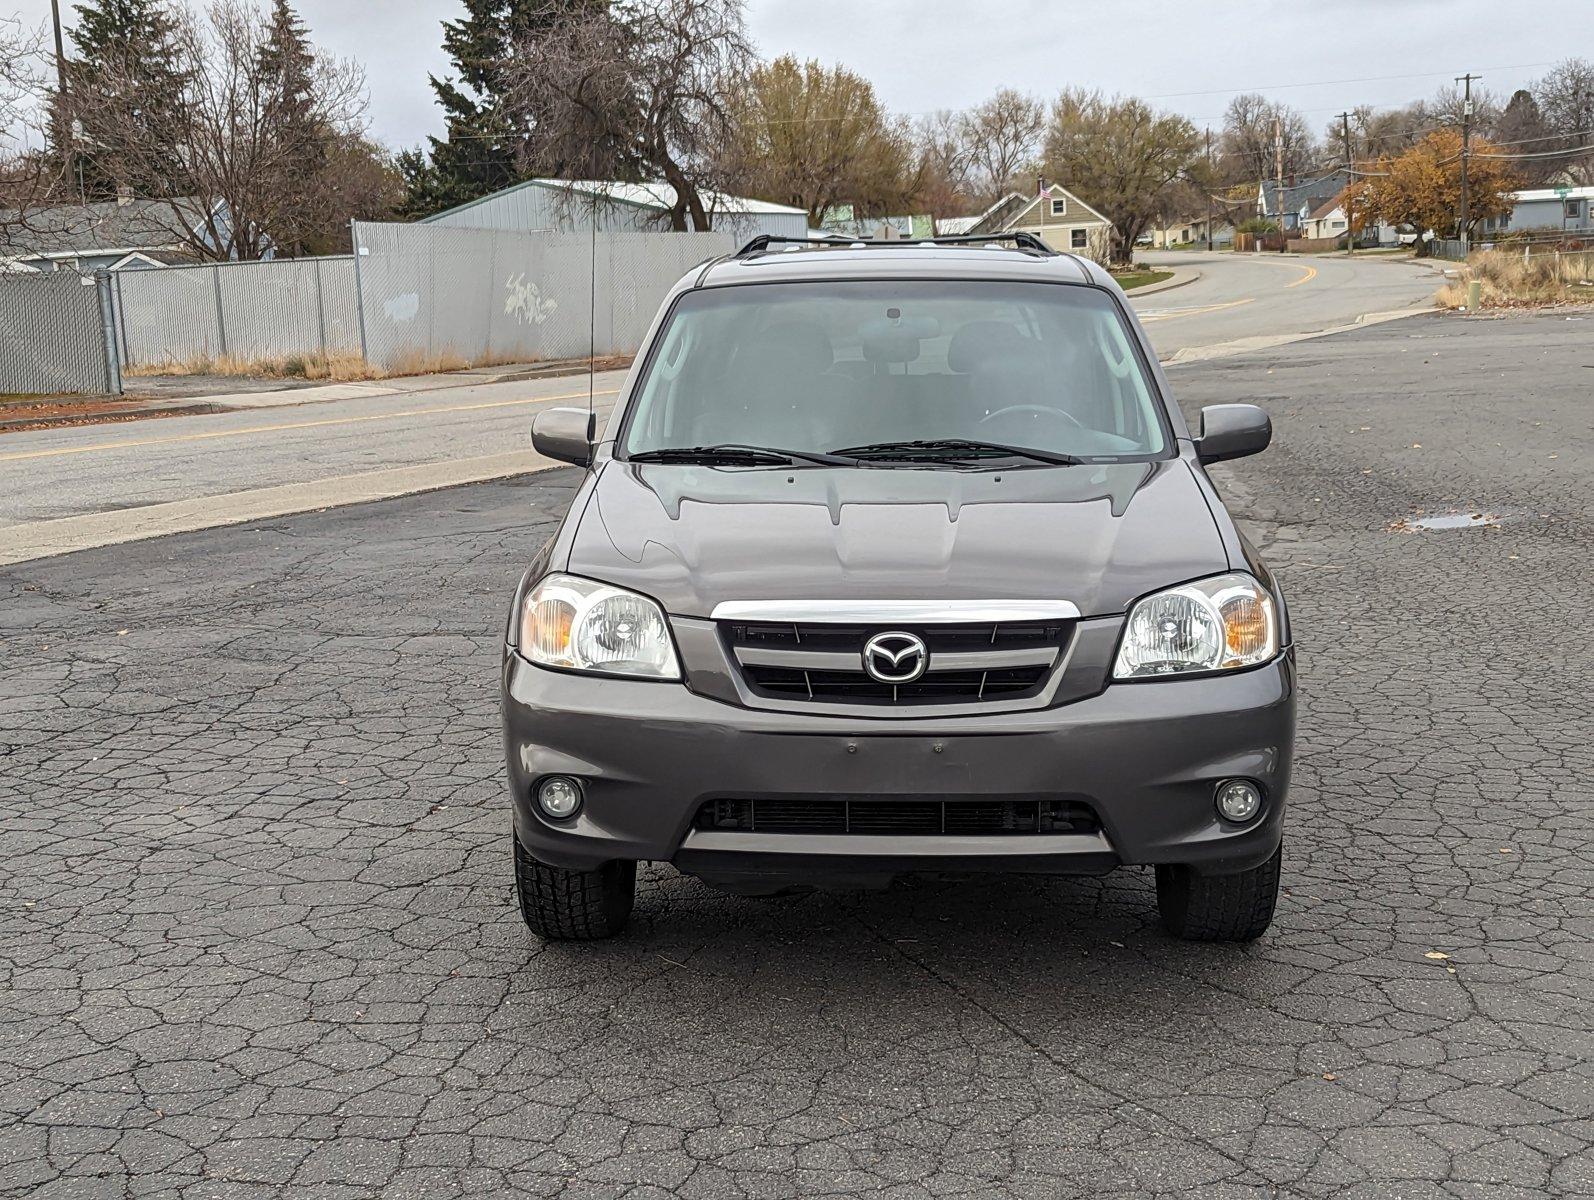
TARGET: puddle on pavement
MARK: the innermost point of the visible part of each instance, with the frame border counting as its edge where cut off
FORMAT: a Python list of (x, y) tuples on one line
[(1450, 520)]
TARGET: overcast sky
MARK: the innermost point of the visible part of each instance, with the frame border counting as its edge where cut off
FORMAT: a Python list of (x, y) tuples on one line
[(929, 54)]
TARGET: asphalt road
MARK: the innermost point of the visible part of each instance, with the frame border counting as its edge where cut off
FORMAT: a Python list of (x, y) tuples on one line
[(104, 483), (1250, 300), (256, 934)]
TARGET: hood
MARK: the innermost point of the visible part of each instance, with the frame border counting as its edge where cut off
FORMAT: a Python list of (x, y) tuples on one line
[(1097, 535)]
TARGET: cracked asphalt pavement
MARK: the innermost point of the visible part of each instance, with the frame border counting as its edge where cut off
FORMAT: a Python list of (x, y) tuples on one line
[(256, 934)]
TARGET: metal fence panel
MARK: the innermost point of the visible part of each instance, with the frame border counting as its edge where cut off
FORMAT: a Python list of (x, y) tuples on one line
[(242, 310), (431, 295), (53, 336)]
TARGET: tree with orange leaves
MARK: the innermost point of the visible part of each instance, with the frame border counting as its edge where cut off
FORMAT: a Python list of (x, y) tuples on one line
[(1422, 187)]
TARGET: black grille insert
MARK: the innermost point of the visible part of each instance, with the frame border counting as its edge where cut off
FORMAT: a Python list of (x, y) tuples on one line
[(845, 680), (899, 817)]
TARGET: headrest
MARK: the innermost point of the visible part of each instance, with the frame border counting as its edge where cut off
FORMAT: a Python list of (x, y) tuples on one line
[(980, 343), (803, 342)]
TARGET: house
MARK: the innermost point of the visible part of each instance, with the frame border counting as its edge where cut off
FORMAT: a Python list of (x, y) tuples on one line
[(1327, 220), (1188, 231), (570, 205), (112, 235), (1315, 208), (1064, 220), (960, 226), (1292, 205), (1546, 210)]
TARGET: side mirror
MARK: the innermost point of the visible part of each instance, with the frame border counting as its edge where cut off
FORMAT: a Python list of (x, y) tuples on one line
[(1232, 431), (564, 434)]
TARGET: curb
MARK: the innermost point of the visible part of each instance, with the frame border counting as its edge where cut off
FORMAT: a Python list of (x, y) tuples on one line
[(199, 407), (1191, 354), (1167, 285)]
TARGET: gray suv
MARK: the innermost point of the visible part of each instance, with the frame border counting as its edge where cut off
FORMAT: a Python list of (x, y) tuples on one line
[(898, 558)]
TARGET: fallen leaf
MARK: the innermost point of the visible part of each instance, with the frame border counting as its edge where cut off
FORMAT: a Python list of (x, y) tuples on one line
[(1416, 445), (121, 633), (1330, 1076), (1436, 954)]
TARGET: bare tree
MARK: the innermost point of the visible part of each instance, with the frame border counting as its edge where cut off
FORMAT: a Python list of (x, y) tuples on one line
[(818, 137), (1445, 109), (1003, 136), (1253, 126), (1566, 99), (636, 91), (241, 144), (1119, 155), (29, 177), (946, 163)]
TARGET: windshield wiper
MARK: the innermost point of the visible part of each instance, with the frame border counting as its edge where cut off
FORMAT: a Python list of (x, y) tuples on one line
[(953, 450), (738, 455)]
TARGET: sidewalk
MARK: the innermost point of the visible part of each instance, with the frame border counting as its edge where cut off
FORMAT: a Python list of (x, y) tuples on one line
[(165, 396)]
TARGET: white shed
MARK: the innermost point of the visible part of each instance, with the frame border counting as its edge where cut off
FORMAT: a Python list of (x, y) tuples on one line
[(571, 205)]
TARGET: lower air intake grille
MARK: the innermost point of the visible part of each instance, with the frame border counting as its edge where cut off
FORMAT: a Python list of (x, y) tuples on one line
[(899, 817)]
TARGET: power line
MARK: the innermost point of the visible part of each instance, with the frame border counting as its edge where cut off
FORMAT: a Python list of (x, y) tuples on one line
[(1571, 150), (1334, 82)]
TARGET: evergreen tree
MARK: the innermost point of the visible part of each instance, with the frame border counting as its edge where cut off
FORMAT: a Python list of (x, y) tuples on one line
[(298, 141), (287, 66), (123, 96), (487, 132)]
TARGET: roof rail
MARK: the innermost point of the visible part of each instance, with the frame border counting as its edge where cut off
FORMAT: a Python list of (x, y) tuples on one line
[(1021, 239)]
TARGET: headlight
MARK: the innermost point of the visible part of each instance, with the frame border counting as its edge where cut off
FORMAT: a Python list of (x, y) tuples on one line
[(581, 625), (1211, 625)]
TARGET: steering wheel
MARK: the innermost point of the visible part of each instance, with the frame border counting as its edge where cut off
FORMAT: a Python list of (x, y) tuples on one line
[(1034, 410)]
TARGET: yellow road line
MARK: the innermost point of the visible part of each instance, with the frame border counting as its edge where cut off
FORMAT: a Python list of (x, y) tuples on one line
[(131, 443), (1311, 273)]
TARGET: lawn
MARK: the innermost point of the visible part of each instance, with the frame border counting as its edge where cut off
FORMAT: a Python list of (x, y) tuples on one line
[(1129, 280)]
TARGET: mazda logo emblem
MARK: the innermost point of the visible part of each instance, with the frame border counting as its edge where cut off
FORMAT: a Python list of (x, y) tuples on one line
[(895, 657)]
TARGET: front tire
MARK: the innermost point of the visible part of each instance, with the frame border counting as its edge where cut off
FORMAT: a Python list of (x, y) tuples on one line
[(1219, 908), (560, 905)]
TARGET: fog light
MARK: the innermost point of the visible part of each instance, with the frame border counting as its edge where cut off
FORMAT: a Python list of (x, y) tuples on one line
[(1238, 800), (559, 797)]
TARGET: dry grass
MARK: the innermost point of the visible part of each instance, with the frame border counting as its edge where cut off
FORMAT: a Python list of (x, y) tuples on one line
[(1509, 280), (338, 368)]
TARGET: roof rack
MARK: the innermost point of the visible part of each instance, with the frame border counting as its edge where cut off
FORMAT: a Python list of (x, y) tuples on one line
[(1021, 239)]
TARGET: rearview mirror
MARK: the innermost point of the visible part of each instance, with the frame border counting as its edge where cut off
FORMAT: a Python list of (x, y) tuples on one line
[(1232, 431), (564, 434)]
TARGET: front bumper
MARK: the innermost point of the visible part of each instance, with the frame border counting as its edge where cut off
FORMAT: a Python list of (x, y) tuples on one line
[(1144, 756)]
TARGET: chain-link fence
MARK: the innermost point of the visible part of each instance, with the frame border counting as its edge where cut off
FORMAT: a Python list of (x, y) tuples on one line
[(55, 335), (245, 311), (433, 296)]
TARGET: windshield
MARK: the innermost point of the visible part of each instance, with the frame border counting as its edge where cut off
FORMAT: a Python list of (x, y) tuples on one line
[(828, 367)]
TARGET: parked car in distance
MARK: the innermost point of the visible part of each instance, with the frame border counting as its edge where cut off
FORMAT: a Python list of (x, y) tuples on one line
[(898, 558)]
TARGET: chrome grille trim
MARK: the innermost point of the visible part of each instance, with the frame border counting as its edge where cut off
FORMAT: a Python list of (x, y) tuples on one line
[(823, 662), (839, 660), (895, 612)]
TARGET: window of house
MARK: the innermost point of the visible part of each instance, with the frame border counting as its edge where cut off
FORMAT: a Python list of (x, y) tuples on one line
[(1077, 239), (1059, 207), (1574, 209)]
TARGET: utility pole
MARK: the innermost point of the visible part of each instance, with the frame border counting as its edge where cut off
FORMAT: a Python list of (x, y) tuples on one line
[(1211, 180), (1466, 143), (1278, 166), (1350, 182), (60, 49), (71, 126)]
